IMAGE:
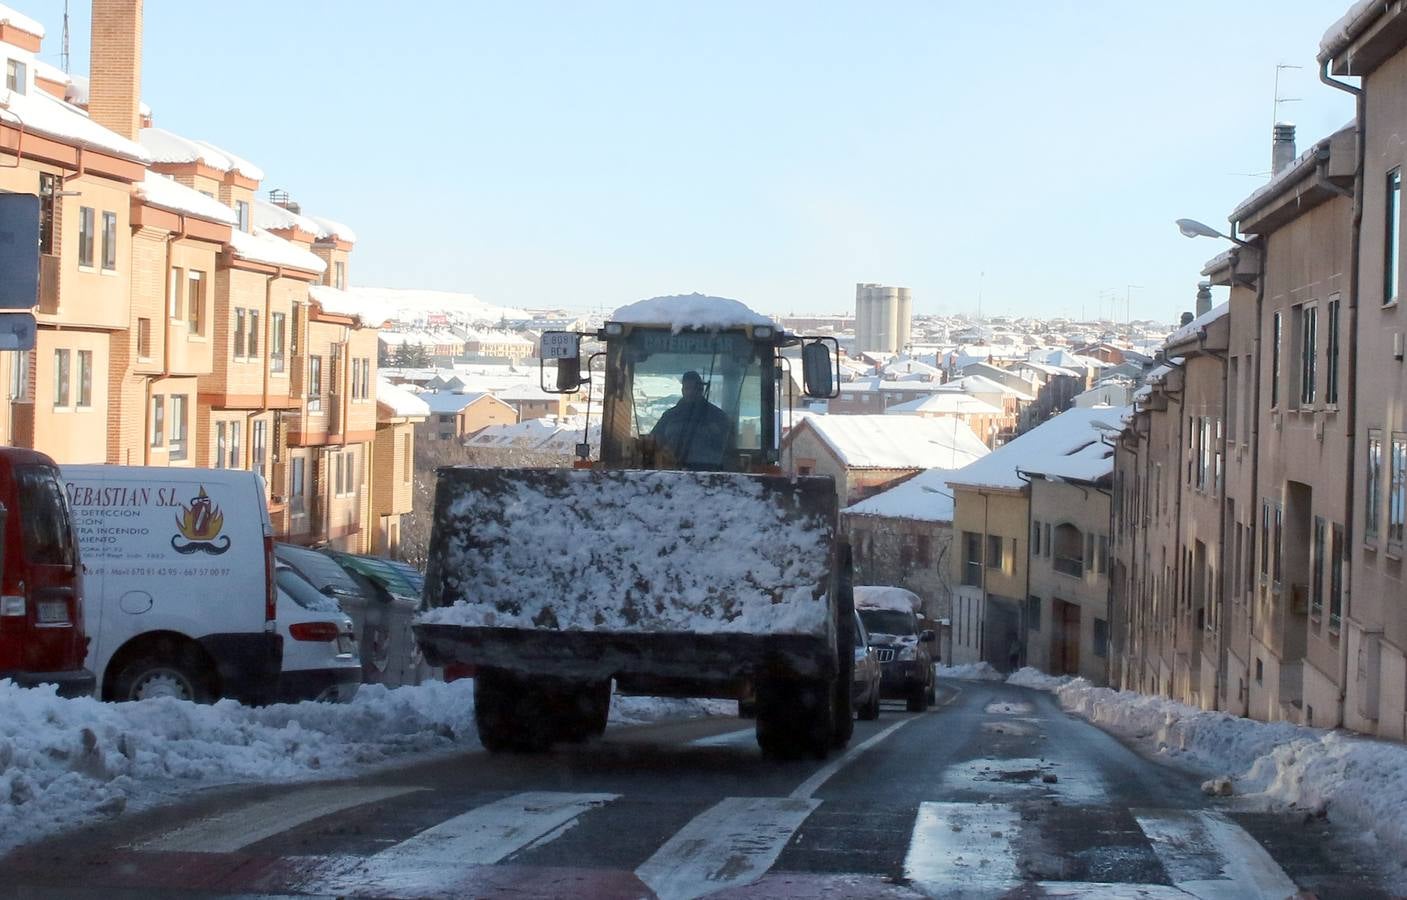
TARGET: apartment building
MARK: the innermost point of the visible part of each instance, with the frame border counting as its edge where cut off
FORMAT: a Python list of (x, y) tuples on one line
[(178, 323)]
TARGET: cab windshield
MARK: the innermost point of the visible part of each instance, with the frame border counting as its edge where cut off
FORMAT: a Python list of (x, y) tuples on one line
[(695, 397)]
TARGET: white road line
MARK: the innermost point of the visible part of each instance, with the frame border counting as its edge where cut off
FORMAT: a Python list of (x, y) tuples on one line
[(823, 774), (490, 833), (1209, 856), (1096, 890), (728, 845), (727, 739), (238, 828), (963, 849)]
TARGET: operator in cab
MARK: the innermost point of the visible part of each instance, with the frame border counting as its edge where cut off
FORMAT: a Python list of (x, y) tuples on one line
[(697, 434)]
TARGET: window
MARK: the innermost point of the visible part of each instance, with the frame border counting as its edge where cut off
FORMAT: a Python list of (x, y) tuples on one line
[(972, 558), (1103, 555), (1047, 539), (46, 529), (16, 76), (314, 384), (1033, 613), (1331, 353), (253, 344), (48, 200), (85, 236), (19, 375), (1217, 467), (1068, 550), (1233, 397), (1316, 573), (1036, 539), (195, 301), (158, 421), (1392, 250), (1101, 637), (338, 468), (173, 292), (1373, 477), (293, 328), (109, 241), (276, 338), (1309, 342), (260, 433), (179, 425), (339, 275), (994, 551), (1275, 333), (298, 504), (220, 445), (1277, 546), (85, 377), (239, 334), (1338, 560), (1397, 490), (61, 377), (1238, 556), (236, 456), (1264, 542), (144, 339), (242, 210)]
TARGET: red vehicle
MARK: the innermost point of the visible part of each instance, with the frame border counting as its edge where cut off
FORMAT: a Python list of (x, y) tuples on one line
[(41, 578)]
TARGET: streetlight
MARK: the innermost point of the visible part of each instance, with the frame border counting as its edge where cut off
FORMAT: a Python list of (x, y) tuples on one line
[(1192, 228)]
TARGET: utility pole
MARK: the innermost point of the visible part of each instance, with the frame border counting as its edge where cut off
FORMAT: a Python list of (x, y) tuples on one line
[(65, 39), (980, 277), (1128, 304)]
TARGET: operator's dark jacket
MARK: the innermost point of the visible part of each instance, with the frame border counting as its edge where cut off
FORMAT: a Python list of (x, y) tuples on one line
[(696, 432)]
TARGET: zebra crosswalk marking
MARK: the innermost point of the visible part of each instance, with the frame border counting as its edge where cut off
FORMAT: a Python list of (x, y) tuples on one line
[(963, 849), (1208, 856)]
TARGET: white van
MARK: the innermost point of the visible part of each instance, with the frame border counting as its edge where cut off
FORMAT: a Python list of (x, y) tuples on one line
[(181, 596)]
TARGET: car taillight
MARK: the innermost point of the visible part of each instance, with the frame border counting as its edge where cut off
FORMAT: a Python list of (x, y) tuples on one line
[(11, 605), (314, 631), (456, 671), (270, 590)]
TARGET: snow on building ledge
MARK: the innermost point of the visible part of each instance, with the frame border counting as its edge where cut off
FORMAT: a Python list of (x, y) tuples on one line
[(1349, 26), (42, 113), (168, 148), (16, 19), (237, 163), (273, 217), (398, 403), (76, 90), (330, 228), (167, 193), (369, 308), (262, 247), (690, 311), (1197, 326)]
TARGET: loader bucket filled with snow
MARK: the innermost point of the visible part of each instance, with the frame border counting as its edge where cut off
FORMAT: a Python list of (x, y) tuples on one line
[(669, 582)]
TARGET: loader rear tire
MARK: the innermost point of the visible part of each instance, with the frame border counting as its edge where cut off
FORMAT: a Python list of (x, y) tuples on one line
[(796, 717), (581, 711), (844, 713), (512, 713)]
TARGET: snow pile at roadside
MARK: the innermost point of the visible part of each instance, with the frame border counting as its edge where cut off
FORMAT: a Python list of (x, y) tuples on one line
[(981, 671), (1035, 678), (1354, 779), (65, 761), (643, 710)]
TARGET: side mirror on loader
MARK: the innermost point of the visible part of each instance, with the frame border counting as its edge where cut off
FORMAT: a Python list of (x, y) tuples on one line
[(817, 374), (565, 348)]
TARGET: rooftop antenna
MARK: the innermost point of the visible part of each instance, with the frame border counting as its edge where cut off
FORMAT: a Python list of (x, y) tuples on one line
[(1275, 108), (980, 277), (65, 39)]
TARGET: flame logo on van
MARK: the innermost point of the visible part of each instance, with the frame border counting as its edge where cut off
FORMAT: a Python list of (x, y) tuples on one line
[(200, 525)]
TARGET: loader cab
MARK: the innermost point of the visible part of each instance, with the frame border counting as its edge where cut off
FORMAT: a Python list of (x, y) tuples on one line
[(704, 400)]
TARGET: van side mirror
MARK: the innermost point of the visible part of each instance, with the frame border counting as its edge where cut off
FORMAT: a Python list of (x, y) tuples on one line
[(817, 373), (927, 637), (565, 348)]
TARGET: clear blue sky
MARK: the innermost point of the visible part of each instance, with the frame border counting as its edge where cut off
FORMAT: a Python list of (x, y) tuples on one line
[(590, 154)]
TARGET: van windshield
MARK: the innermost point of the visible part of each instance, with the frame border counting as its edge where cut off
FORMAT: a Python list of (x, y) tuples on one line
[(887, 621), (45, 527)]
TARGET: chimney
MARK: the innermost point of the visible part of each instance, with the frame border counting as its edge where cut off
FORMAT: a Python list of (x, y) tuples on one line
[(1186, 320), (1204, 298), (1282, 148), (115, 66)]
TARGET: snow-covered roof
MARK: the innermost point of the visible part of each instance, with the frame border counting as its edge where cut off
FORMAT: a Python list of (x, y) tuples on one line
[(41, 112), (954, 403), (400, 402), (690, 311), (1353, 22), (1089, 463), (21, 21), (236, 163), (874, 596), (77, 86), (329, 228), (167, 193), (981, 384), (1047, 368), (169, 147), (1158, 373), (365, 305), (926, 498), (1070, 432), (276, 218), (449, 402), (1291, 173), (897, 442), (1198, 325), (262, 247)]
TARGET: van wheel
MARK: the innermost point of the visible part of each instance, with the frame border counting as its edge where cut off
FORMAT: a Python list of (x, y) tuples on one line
[(179, 675)]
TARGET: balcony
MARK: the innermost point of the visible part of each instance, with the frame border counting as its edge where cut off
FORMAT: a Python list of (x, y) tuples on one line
[(49, 284)]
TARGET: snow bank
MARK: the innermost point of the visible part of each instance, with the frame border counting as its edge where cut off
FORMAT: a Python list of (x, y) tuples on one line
[(1035, 678), (1356, 780), (640, 552), (690, 311), (870, 596), (981, 671), (644, 710), (64, 762)]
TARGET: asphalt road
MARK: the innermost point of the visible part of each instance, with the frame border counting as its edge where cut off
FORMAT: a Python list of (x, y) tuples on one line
[(994, 793)]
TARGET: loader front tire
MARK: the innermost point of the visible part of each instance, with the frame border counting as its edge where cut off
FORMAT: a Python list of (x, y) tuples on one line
[(796, 717), (581, 711), (511, 713)]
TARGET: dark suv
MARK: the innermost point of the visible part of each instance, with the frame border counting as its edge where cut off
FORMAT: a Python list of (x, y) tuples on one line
[(903, 648)]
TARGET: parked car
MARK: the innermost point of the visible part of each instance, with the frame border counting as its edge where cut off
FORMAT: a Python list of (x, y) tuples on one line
[(42, 629), (180, 582), (865, 687), (890, 615), (320, 660)]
